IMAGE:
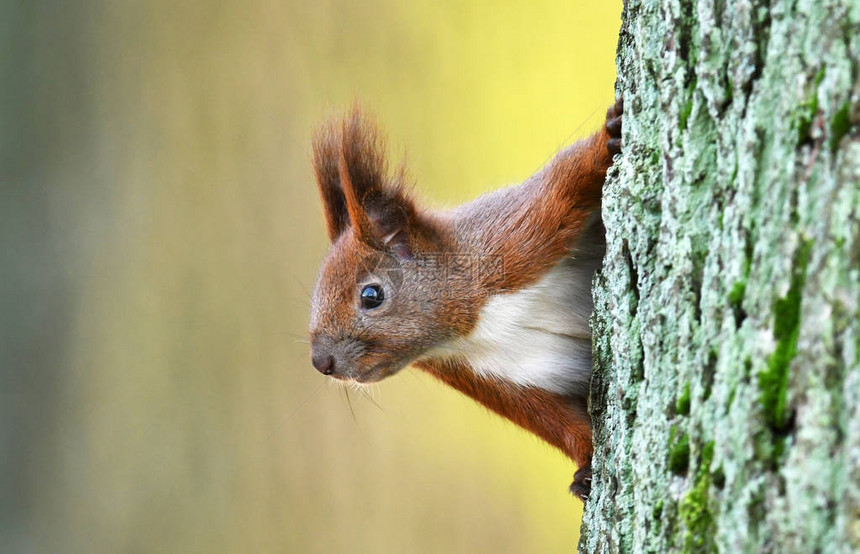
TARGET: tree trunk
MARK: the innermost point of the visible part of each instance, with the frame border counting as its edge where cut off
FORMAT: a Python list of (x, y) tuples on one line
[(726, 392)]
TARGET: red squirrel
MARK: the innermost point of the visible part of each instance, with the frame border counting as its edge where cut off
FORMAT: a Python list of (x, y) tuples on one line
[(492, 298)]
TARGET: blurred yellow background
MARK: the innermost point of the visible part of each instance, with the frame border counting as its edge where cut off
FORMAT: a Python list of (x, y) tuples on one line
[(160, 232)]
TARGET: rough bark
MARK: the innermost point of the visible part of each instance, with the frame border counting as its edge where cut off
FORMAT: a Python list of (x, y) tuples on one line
[(726, 394)]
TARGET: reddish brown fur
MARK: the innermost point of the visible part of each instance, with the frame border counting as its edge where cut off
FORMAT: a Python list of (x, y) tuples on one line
[(326, 155), (530, 227), (541, 219), (368, 214)]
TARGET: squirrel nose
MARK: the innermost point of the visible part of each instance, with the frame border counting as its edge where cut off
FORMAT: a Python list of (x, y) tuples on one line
[(323, 362)]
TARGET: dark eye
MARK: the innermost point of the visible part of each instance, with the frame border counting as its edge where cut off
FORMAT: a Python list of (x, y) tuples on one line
[(371, 297)]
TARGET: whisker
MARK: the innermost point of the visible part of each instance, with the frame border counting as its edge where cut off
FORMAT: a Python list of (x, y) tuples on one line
[(289, 136), (295, 411), (292, 334), (568, 138), (303, 287), (349, 403), (367, 394)]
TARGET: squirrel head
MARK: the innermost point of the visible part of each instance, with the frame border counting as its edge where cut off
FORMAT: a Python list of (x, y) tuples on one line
[(378, 302)]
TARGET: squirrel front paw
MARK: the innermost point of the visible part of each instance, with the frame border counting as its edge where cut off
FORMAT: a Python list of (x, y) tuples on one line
[(581, 486), (613, 126)]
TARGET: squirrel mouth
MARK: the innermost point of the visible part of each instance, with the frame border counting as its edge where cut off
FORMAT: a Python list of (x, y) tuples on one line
[(376, 373)]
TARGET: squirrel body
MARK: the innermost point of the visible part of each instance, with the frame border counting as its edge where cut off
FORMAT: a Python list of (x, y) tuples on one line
[(536, 336), (492, 298)]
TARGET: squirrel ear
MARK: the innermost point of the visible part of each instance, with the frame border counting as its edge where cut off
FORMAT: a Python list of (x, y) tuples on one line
[(326, 145), (378, 207)]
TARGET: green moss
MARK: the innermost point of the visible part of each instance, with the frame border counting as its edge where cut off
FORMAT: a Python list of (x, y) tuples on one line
[(736, 295), (805, 115), (730, 90), (808, 110), (682, 404), (708, 373), (719, 477), (762, 444), (685, 114), (748, 256), (773, 382), (679, 451), (770, 448), (736, 300), (731, 399), (840, 125), (695, 509), (778, 451), (707, 456), (657, 513)]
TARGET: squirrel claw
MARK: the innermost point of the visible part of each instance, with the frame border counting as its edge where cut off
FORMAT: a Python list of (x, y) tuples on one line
[(581, 486)]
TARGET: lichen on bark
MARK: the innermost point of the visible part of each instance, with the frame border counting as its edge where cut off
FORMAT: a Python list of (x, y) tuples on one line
[(726, 390)]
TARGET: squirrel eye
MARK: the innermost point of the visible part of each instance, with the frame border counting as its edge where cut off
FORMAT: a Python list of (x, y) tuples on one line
[(371, 297)]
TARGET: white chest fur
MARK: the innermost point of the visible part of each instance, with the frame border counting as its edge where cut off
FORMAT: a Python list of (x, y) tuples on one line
[(538, 336)]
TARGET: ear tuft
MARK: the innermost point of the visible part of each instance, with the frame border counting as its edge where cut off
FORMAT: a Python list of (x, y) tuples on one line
[(379, 209), (362, 168), (326, 147), (356, 188)]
